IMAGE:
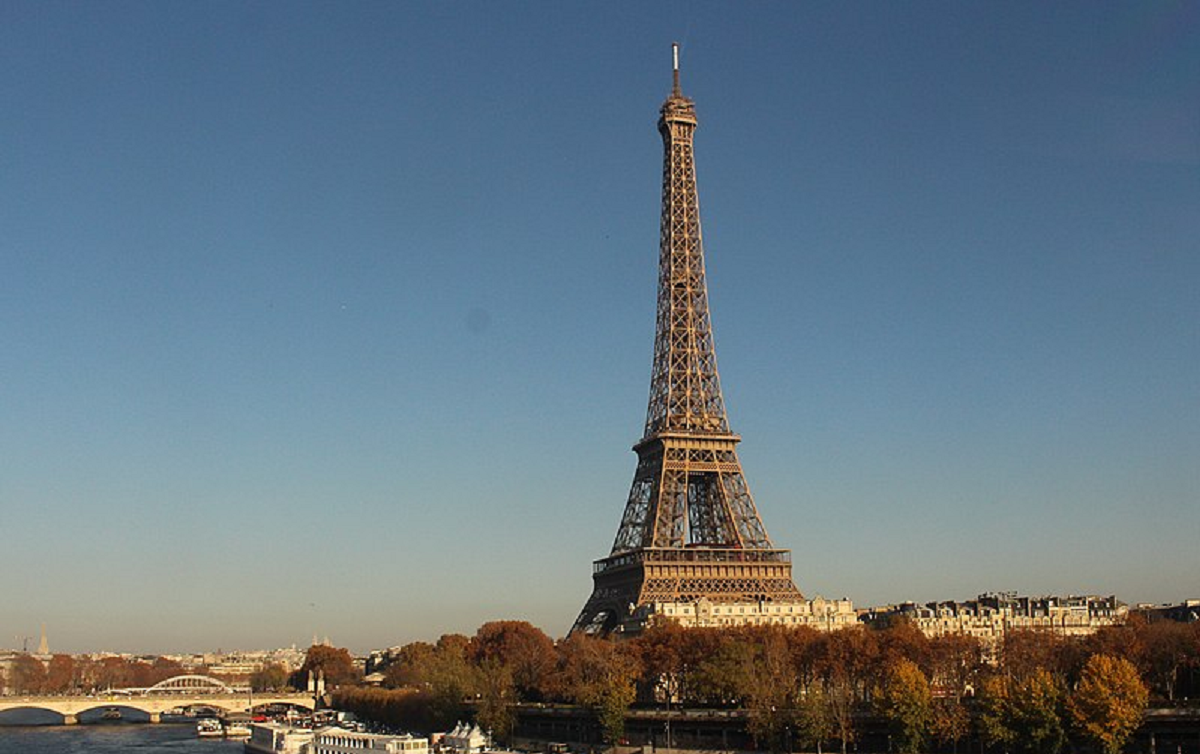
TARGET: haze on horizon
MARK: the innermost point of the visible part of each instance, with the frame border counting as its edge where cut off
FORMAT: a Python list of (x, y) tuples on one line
[(338, 321)]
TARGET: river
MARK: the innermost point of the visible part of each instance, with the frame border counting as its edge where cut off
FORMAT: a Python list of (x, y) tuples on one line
[(111, 739)]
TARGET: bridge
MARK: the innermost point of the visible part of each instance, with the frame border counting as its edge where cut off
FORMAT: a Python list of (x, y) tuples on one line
[(180, 691)]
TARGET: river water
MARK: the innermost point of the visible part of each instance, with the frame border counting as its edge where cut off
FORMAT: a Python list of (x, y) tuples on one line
[(111, 739)]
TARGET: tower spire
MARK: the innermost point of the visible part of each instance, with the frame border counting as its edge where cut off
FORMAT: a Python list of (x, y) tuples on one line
[(675, 90)]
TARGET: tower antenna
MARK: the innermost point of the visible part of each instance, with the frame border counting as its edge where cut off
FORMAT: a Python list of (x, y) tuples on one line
[(675, 55)]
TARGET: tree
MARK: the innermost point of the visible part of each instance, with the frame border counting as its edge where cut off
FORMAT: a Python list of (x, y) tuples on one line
[(1036, 705), (600, 674), (269, 677), (60, 674), (1022, 713), (163, 668), (335, 662), (661, 649), (27, 675), (901, 639), (843, 660), (451, 679), (905, 702), (814, 718), (497, 696), (1109, 702), (995, 716), (951, 721), (521, 647), (1168, 647), (768, 690), (411, 666), (723, 676), (954, 663)]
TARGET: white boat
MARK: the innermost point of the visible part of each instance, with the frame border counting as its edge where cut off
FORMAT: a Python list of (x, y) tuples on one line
[(209, 727), (275, 738), (237, 730)]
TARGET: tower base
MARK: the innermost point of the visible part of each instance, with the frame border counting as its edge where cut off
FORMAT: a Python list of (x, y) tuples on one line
[(627, 585)]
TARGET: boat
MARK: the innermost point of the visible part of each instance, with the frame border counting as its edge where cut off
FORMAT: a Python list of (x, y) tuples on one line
[(237, 730), (110, 715), (277, 738), (209, 727)]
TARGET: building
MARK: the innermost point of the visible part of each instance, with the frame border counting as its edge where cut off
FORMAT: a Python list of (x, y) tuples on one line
[(1187, 611), (690, 540), (341, 741), (989, 616), (818, 613)]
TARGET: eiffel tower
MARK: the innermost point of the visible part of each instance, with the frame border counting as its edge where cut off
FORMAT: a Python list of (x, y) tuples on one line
[(690, 532)]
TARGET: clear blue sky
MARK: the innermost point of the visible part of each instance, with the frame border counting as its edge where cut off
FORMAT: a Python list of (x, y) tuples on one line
[(337, 318)]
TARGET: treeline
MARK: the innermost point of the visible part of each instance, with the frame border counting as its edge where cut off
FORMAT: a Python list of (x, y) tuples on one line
[(65, 674), (1039, 691)]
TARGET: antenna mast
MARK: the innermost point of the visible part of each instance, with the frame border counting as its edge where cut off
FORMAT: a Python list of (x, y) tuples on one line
[(675, 55)]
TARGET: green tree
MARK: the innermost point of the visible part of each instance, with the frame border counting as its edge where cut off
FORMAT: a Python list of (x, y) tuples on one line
[(724, 675), (904, 700), (995, 715), (497, 695), (410, 667), (1036, 705), (814, 718), (451, 679), (1109, 702), (270, 677)]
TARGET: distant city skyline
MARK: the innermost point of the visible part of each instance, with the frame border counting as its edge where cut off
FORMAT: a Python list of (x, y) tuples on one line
[(339, 320)]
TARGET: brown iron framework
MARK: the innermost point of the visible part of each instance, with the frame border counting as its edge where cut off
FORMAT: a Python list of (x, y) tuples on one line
[(690, 528)]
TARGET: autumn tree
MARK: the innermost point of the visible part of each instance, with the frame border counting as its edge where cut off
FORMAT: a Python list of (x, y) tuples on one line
[(665, 668), (601, 674), (951, 722), (955, 661), (844, 660), (768, 690), (335, 662), (1167, 648), (901, 640), (1026, 650), (522, 648), (1108, 704), (905, 702), (60, 674), (163, 668), (27, 675)]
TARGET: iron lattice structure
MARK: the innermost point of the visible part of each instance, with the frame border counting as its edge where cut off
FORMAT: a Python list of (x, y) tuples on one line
[(690, 529)]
